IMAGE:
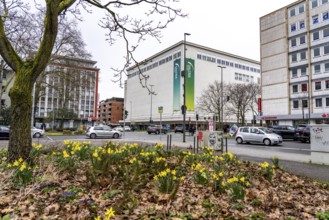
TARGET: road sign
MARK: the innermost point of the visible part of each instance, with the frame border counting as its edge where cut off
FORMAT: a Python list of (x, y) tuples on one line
[(160, 109)]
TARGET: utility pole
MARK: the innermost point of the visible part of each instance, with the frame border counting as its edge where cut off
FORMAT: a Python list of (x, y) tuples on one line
[(184, 87), (151, 93), (222, 96)]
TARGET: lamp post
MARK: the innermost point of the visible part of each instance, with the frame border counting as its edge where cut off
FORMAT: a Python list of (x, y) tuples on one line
[(151, 93), (184, 86), (221, 96)]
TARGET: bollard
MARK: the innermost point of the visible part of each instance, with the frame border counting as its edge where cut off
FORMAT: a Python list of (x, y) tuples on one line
[(170, 141), (197, 145), (194, 144), (226, 143), (167, 142)]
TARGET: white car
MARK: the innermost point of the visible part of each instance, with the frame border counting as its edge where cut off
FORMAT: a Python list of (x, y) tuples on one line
[(257, 135), (127, 128), (119, 128), (37, 133)]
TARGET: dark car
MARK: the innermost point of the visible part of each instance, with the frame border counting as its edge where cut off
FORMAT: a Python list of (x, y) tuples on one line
[(4, 132), (303, 134), (286, 131), (179, 128), (156, 129)]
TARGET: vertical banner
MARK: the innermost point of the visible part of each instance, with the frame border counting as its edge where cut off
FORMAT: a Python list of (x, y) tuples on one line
[(189, 84), (176, 92)]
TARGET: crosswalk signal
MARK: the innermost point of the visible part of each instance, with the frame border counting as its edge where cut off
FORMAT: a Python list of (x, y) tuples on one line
[(126, 114)]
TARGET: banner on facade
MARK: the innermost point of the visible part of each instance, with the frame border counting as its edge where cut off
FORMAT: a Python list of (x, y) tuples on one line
[(189, 84), (176, 92)]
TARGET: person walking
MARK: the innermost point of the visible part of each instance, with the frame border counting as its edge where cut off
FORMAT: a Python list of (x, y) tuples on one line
[(43, 126)]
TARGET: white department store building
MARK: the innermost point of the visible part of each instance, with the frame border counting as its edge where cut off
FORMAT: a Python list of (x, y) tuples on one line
[(295, 63), (164, 71)]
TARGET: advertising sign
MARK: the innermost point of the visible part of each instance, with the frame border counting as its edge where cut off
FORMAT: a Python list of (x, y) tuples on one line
[(189, 84), (177, 86)]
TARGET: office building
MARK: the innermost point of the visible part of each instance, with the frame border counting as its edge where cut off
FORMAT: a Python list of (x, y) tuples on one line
[(165, 94), (295, 63)]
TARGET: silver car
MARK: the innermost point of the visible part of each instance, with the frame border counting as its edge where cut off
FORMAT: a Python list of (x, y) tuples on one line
[(102, 131), (36, 132), (257, 135)]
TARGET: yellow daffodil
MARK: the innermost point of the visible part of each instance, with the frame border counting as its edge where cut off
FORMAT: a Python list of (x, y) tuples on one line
[(109, 213)]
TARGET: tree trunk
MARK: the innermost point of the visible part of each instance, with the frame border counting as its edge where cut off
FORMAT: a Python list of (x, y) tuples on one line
[(20, 142)]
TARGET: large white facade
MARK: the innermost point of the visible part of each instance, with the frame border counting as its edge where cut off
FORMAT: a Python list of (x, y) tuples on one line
[(160, 68), (295, 63)]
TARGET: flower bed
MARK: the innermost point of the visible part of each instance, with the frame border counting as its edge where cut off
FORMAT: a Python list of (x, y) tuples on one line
[(79, 181)]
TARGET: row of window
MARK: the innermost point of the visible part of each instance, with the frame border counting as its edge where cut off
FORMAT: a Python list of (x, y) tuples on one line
[(304, 104), (315, 20), (317, 52), (244, 77), (318, 85), (226, 63), (299, 9), (156, 64)]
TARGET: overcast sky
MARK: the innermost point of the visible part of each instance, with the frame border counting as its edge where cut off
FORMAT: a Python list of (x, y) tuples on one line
[(229, 26)]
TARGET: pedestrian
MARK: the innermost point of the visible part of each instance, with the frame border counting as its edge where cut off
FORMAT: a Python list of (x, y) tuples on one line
[(43, 126)]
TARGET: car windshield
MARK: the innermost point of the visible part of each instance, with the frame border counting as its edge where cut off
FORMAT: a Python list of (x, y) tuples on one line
[(266, 130)]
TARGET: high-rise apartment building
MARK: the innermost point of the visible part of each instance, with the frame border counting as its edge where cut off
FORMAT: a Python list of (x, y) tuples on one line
[(69, 91), (295, 63), (110, 111)]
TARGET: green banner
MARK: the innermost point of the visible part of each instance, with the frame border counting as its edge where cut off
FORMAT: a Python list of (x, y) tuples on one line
[(176, 98), (189, 84)]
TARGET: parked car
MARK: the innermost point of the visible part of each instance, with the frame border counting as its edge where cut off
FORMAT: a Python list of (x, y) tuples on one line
[(257, 135), (127, 128), (285, 131), (37, 133), (102, 131), (156, 129), (303, 134), (118, 128), (179, 128), (4, 132)]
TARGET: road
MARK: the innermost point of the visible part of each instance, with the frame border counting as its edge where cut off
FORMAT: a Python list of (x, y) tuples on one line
[(288, 146)]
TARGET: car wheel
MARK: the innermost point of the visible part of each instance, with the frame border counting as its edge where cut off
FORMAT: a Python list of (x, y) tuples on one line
[(115, 135), (239, 140), (267, 142), (93, 136), (157, 132), (175, 132), (149, 132), (37, 135)]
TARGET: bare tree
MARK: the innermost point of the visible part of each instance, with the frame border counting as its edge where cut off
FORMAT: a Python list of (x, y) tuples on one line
[(242, 98), (210, 99), (28, 70)]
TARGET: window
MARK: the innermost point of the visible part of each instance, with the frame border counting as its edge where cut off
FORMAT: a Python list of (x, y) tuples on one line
[(294, 73), (303, 71), (294, 88), (316, 35), (318, 102), (293, 42), (314, 3), (245, 130), (236, 76), (326, 67), (326, 32), (318, 85), (304, 87), (301, 9), (315, 19), (294, 57), (303, 55), (293, 27), (317, 68), (326, 49), (301, 24), (292, 12), (324, 1), (304, 104), (325, 16), (295, 104), (302, 40), (327, 84), (327, 102), (316, 52)]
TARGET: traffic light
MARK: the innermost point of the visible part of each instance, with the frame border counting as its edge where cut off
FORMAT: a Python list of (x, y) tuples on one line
[(197, 117), (126, 114), (228, 98), (183, 108)]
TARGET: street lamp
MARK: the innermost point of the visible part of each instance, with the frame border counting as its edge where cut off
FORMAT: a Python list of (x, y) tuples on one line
[(151, 93), (222, 96), (184, 86)]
